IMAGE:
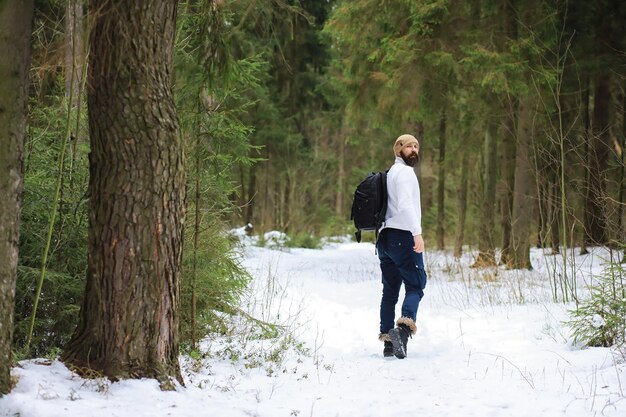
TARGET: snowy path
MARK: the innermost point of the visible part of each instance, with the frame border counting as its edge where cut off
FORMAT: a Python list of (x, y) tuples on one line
[(479, 351), (506, 360)]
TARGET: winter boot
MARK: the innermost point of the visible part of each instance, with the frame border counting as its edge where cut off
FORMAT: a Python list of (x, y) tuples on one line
[(388, 349), (400, 336)]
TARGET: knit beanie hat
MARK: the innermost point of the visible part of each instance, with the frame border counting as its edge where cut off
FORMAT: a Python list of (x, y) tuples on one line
[(402, 142)]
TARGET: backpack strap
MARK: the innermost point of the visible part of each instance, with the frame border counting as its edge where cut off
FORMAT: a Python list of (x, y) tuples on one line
[(386, 200), (384, 210)]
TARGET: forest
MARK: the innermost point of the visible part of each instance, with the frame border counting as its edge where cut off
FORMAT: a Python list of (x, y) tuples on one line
[(134, 135)]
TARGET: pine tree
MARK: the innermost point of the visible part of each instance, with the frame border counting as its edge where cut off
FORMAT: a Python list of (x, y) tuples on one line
[(15, 32), (129, 317)]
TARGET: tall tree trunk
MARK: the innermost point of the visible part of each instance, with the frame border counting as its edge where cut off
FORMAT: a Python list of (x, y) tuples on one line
[(585, 163), (129, 320), (507, 164), (341, 177), (251, 196), (196, 238), (522, 202), (419, 135), (460, 231), (74, 50), (554, 212), (486, 244), (74, 65), (441, 181), (507, 167), (541, 204), (15, 31), (622, 188), (599, 149)]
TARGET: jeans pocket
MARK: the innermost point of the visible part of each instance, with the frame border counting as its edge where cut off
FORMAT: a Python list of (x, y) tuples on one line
[(400, 241), (421, 274)]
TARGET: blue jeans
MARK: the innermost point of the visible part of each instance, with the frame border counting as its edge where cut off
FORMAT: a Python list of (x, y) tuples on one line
[(399, 264)]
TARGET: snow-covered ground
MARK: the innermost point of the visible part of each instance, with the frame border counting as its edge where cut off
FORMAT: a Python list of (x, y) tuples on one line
[(489, 343)]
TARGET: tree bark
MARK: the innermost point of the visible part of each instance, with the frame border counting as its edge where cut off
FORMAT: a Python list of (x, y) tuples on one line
[(599, 149), (128, 324), (486, 244), (522, 203), (441, 181), (15, 31)]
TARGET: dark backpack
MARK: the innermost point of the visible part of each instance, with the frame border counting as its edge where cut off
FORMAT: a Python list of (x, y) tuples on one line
[(370, 203)]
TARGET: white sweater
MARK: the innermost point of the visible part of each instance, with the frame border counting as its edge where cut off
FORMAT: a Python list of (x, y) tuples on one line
[(404, 210)]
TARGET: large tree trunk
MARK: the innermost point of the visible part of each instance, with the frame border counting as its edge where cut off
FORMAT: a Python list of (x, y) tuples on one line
[(15, 30), (129, 321), (522, 202), (486, 244), (441, 181), (598, 163)]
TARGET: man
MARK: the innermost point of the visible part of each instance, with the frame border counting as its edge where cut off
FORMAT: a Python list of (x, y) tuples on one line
[(400, 247)]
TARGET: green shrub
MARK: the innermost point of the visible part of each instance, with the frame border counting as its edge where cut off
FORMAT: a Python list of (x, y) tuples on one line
[(57, 312), (304, 240), (64, 281), (216, 281), (601, 319)]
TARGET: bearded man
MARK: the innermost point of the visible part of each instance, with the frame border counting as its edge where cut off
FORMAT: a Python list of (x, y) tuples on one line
[(400, 249)]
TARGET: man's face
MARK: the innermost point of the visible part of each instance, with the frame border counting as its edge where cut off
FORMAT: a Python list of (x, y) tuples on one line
[(409, 154)]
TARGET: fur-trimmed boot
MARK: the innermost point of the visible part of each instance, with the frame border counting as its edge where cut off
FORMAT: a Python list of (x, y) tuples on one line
[(400, 336), (388, 349)]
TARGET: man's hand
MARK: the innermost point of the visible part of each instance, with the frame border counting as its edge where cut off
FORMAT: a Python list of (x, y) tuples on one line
[(419, 244)]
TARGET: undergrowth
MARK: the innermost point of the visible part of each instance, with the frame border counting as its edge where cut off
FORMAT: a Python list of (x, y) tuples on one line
[(600, 320)]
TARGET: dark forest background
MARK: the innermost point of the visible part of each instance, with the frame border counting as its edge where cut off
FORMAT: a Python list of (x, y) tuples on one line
[(284, 105)]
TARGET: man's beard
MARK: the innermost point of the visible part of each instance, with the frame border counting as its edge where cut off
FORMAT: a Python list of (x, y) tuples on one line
[(411, 159)]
